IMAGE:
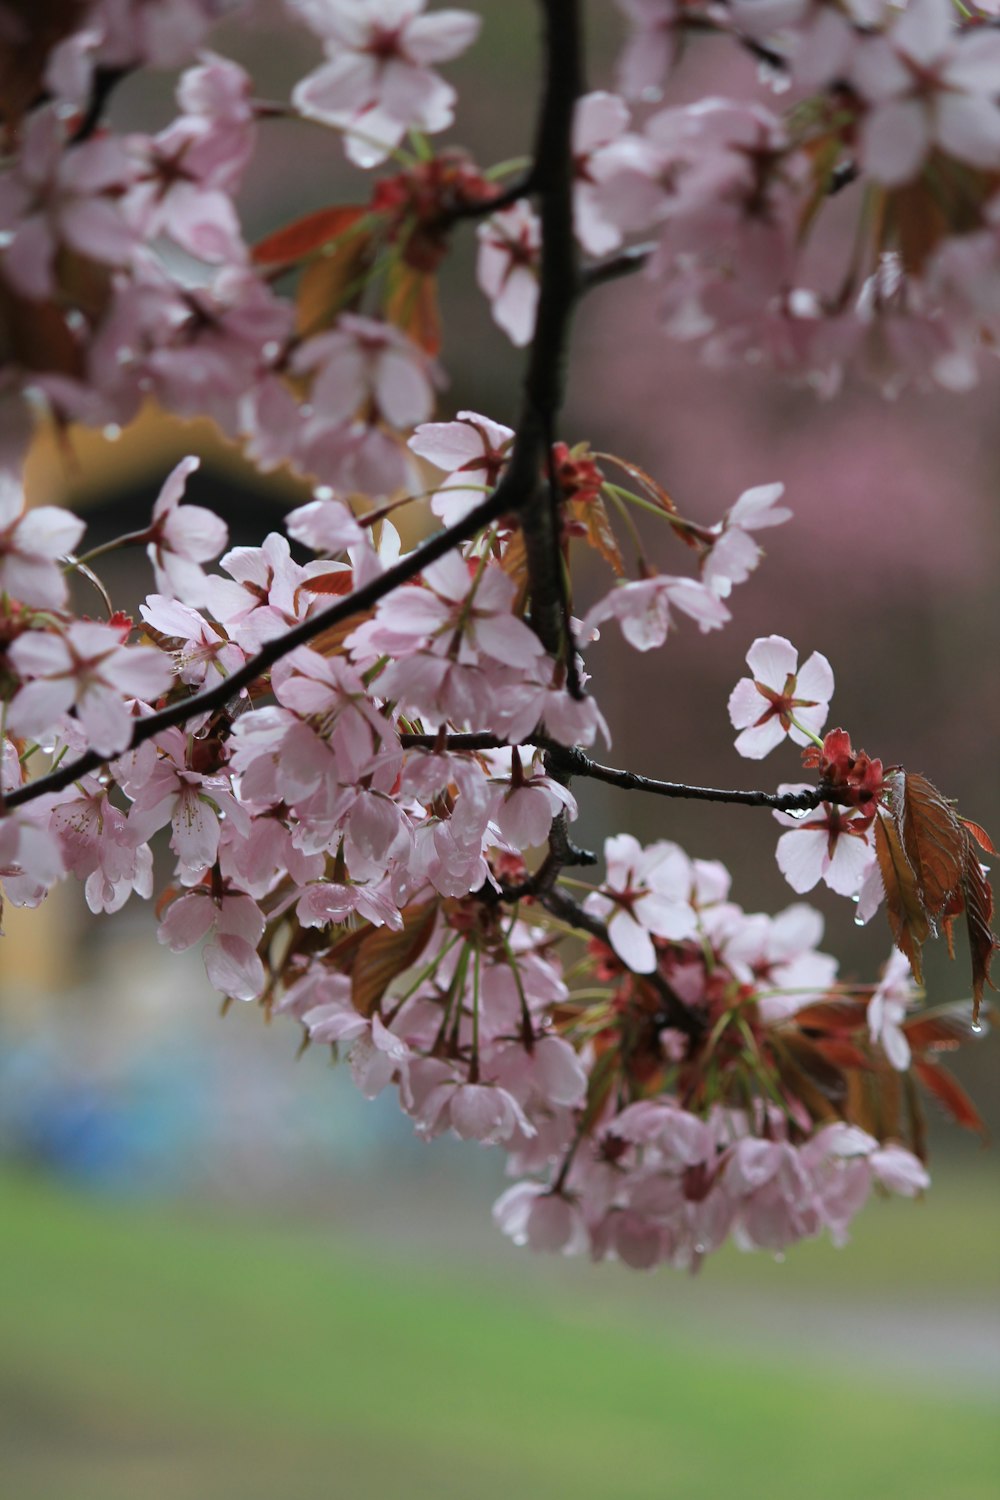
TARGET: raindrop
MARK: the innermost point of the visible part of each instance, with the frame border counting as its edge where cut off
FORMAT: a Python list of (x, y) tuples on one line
[(856, 897), (859, 921), (125, 355), (699, 1248), (271, 349), (323, 492), (977, 1027), (75, 320), (779, 1258), (797, 812), (112, 432), (6, 238)]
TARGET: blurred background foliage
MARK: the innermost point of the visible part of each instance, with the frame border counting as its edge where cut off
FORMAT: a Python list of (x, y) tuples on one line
[(227, 1274)]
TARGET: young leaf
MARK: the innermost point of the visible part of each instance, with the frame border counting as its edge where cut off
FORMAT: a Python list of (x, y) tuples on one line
[(592, 515), (907, 917), (384, 954), (949, 1092), (978, 900), (306, 236), (932, 836), (411, 305)]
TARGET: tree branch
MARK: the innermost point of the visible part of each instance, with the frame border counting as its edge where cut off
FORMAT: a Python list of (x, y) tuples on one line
[(625, 263), (580, 764)]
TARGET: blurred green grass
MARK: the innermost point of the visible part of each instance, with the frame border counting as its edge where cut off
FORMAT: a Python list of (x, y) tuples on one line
[(152, 1353)]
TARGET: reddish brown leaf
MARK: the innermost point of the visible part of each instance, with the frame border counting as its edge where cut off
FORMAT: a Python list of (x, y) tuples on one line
[(411, 304), (384, 954), (646, 483), (940, 1030), (593, 516), (306, 236), (980, 835), (907, 917), (832, 1016), (949, 1092), (978, 900), (515, 564), (842, 1053), (932, 837)]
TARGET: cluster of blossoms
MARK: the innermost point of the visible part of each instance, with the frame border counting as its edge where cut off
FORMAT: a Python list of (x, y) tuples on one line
[(367, 800)]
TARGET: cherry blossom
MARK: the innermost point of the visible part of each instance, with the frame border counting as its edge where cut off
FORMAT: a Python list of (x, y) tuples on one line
[(734, 554), (780, 699), (887, 1010), (507, 269), (644, 894), (62, 198), (642, 609), (86, 668), (31, 542), (472, 451), (183, 538), (377, 84), (829, 843), (928, 86)]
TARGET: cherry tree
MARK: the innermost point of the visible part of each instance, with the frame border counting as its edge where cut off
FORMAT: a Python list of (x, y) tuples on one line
[(366, 759)]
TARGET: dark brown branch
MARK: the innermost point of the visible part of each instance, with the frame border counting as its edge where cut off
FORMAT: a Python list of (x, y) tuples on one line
[(626, 263), (577, 763), (631, 781), (522, 187), (105, 81)]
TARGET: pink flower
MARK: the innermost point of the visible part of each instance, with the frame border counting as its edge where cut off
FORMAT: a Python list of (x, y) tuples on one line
[(645, 891), (363, 361), (31, 542), (828, 843), (237, 926), (57, 196), (651, 47), (165, 791), (203, 646), (779, 699), (734, 553), (531, 1214), (929, 85), (507, 269), (377, 84), (30, 858), (472, 451), (642, 609), (324, 525), (887, 1010), (181, 539), (86, 668)]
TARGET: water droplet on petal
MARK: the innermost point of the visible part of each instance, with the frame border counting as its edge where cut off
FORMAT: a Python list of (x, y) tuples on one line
[(859, 921), (699, 1248), (323, 492), (856, 897), (977, 1027), (6, 238), (112, 432), (779, 1258), (271, 349)]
